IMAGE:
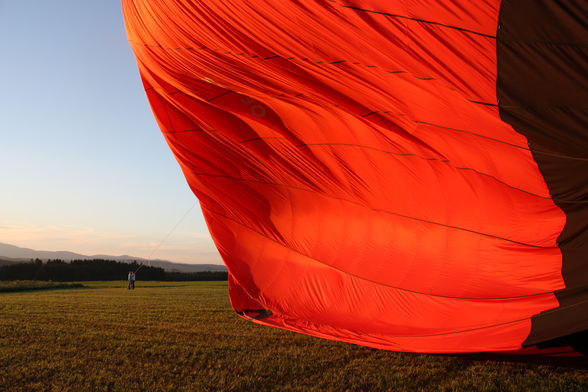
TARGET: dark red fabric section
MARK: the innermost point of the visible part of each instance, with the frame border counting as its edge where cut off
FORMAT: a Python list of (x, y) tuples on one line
[(543, 94)]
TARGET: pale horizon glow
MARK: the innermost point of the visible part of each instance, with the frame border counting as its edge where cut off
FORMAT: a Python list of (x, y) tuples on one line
[(186, 246), (83, 165)]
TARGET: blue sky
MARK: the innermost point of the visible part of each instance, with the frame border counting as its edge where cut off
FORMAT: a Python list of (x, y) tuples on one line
[(83, 166)]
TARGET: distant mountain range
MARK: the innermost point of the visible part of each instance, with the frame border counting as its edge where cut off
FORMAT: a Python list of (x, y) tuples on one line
[(13, 254)]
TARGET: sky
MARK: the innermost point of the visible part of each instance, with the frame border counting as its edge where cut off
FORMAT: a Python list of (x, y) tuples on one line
[(83, 165)]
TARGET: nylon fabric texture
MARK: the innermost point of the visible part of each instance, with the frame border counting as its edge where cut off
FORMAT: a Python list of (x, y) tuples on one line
[(354, 169)]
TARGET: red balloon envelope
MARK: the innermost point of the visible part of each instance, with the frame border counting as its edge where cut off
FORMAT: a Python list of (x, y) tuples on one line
[(407, 175)]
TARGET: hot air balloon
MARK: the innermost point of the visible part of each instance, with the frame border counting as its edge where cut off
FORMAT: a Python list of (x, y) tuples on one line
[(405, 175)]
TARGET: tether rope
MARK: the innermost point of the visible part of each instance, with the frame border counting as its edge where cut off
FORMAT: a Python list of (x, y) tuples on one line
[(166, 237)]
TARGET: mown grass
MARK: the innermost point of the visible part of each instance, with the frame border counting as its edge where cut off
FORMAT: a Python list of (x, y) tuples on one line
[(28, 285), (184, 336)]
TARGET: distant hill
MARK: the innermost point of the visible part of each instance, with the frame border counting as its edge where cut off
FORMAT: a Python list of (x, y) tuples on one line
[(10, 254)]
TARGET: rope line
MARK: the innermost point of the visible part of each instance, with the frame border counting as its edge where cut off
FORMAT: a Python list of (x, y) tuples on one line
[(167, 236)]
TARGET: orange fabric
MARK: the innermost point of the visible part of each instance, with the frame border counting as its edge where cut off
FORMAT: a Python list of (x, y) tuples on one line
[(353, 171)]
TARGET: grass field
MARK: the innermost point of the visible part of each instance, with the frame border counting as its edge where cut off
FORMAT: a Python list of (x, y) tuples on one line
[(28, 285), (184, 337)]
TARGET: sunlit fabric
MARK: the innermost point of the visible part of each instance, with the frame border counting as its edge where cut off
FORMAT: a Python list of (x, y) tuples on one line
[(409, 175)]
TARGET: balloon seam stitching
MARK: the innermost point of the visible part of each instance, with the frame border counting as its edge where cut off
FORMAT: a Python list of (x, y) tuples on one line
[(420, 20)]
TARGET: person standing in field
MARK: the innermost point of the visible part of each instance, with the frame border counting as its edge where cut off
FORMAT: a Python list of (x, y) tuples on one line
[(131, 278)]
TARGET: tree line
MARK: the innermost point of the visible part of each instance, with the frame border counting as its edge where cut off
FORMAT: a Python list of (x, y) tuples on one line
[(97, 269)]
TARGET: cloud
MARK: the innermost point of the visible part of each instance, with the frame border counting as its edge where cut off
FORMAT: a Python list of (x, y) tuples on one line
[(188, 247)]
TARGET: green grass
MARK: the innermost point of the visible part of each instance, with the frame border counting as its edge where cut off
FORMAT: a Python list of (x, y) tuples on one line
[(184, 336), (28, 285)]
